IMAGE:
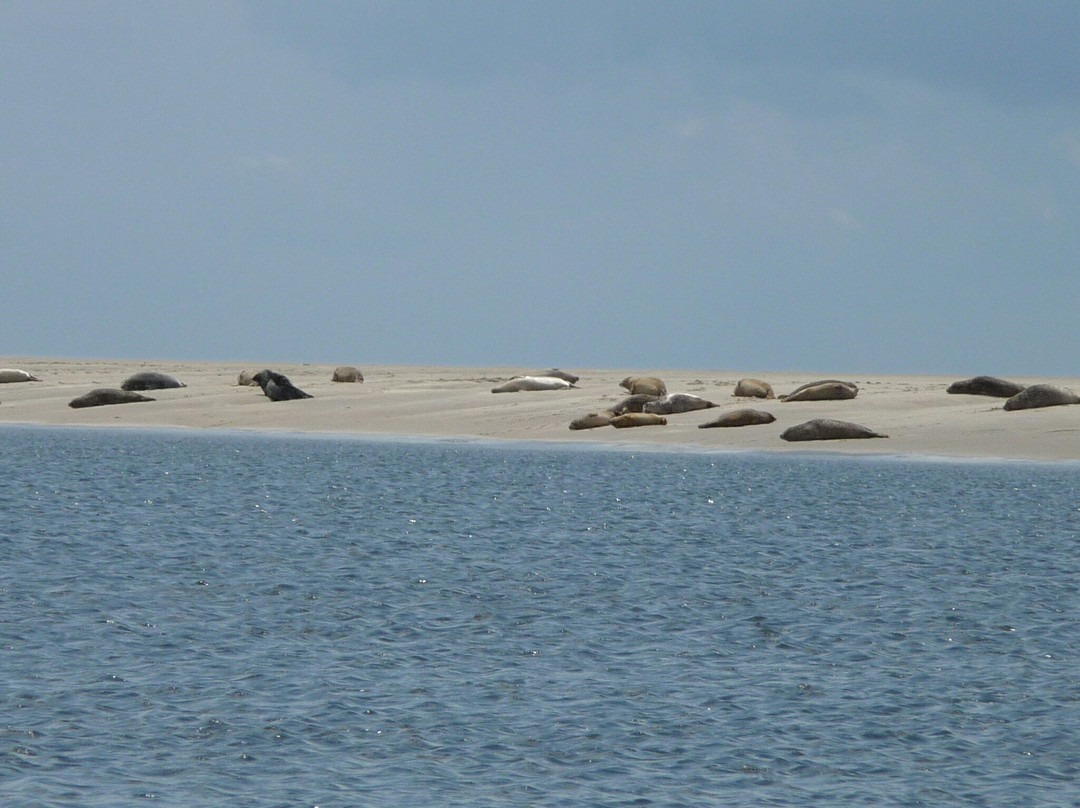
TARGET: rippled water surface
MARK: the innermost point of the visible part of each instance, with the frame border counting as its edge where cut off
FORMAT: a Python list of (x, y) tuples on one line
[(266, 620)]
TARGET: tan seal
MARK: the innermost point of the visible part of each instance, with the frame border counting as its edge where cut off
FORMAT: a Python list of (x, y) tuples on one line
[(747, 417), (754, 388), (630, 419), (826, 390), (592, 420), (644, 384), (347, 373)]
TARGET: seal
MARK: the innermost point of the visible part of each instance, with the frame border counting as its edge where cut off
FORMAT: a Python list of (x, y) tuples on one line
[(558, 374), (277, 387), (986, 386), (754, 388), (1041, 395), (825, 390), (828, 429), (644, 384), (150, 380), (10, 375), (674, 403), (107, 395), (630, 419), (530, 383), (740, 418), (592, 420), (247, 379), (633, 403), (347, 373)]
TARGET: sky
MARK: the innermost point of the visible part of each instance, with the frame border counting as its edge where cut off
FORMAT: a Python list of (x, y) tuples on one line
[(826, 185)]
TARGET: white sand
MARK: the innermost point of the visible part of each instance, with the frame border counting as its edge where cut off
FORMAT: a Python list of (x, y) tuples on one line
[(915, 411)]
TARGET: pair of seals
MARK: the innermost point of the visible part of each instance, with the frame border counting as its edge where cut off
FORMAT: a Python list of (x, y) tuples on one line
[(674, 403), (277, 387), (985, 386), (828, 429), (1041, 395), (740, 418), (347, 373), (530, 383), (150, 380), (107, 395), (11, 375), (754, 388), (824, 390), (649, 385)]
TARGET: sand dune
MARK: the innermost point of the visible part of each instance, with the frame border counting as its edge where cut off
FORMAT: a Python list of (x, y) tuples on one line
[(412, 400)]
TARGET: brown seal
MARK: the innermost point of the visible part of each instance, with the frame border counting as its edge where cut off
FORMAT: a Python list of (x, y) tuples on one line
[(754, 388), (826, 390), (674, 403), (592, 420), (347, 373), (1041, 395), (644, 384), (986, 386), (107, 395), (740, 418), (828, 429), (638, 419)]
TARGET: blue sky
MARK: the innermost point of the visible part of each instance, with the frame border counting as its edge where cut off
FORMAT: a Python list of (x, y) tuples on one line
[(761, 185)]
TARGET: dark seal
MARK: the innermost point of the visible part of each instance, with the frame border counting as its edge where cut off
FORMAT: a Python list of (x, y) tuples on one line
[(277, 387), (828, 429), (150, 380), (985, 386), (1041, 395), (107, 395)]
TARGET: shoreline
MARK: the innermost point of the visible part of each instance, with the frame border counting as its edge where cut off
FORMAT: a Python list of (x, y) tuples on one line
[(456, 403)]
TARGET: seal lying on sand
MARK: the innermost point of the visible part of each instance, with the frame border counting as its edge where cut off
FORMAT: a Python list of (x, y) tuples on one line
[(150, 380), (529, 383), (828, 429), (633, 403), (558, 374), (674, 403), (825, 390), (1041, 395), (347, 373), (986, 386), (638, 419), (107, 395), (644, 384), (740, 418), (593, 420), (277, 387), (9, 375), (754, 388)]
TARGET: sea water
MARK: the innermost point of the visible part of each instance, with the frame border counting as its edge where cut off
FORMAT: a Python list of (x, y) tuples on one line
[(196, 618)]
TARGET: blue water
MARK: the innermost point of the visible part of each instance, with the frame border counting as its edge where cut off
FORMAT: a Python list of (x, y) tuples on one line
[(267, 620)]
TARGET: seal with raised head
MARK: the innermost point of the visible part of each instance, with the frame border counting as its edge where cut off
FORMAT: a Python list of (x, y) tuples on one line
[(644, 384), (592, 420), (107, 395), (828, 429), (11, 375), (745, 417), (630, 419), (150, 380), (633, 403), (1041, 395), (754, 388), (347, 373), (674, 403), (826, 390), (277, 387), (530, 383), (986, 386)]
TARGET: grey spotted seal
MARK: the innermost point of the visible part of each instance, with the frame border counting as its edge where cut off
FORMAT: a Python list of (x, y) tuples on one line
[(277, 387), (347, 373), (150, 380), (1041, 395), (828, 429), (107, 395), (630, 419), (12, 375), (745, 417), (644, 384), (674, 403), (754, 388), (593, 420), (531, 383), (825, 390), (985, 386)]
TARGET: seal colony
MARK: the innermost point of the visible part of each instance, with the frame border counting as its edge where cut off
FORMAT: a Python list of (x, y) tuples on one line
[(916, 412)]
